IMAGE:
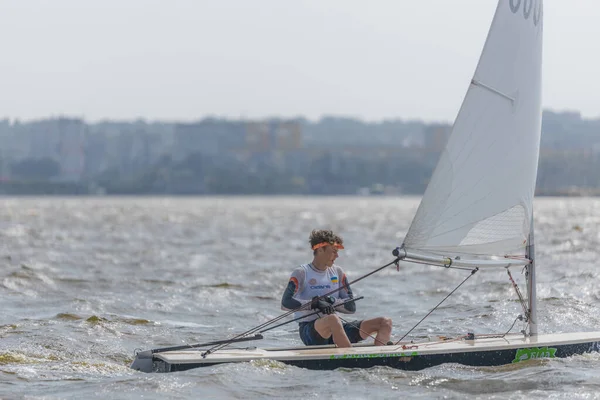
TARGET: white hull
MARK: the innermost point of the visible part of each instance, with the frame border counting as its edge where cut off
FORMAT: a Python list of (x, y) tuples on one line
[(413, 356)]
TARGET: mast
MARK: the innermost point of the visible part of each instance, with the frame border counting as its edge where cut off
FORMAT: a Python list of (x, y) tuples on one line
[(530, 276)]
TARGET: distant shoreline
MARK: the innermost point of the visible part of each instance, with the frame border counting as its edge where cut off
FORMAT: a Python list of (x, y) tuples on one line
[(91, 189)]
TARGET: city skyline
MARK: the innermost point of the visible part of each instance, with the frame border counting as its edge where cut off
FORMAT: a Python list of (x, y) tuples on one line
[(189, 60)]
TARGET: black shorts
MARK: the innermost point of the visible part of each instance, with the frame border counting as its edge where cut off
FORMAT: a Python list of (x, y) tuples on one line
[(311, 337)]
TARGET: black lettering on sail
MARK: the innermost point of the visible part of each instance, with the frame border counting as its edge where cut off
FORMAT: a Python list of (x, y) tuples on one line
[(527, 8), (514, 5), (537, 13)]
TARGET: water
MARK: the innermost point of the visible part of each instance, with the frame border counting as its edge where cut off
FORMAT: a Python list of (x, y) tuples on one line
[(85, 281)]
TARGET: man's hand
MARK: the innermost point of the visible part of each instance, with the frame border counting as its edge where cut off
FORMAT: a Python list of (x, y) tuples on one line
[(322, 305)]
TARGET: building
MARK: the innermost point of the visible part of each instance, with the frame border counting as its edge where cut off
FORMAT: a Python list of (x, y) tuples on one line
[(435, 137)]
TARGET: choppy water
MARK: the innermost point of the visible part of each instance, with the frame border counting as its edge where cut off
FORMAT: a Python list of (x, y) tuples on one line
[(85, 281)]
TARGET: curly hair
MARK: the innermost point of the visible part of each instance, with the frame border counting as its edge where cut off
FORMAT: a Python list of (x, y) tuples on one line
[(324, 235)]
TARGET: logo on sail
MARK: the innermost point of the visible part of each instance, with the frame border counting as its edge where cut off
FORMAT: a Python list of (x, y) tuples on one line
[(528, 9), (533, 353)]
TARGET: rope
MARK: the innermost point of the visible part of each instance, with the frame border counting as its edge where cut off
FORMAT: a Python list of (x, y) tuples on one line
[(520, 317), (361, 331), (308, 315), (521, 299), (303, 307), (439, 304)]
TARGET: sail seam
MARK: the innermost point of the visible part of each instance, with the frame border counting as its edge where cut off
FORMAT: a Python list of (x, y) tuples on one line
[(461, 160), (471, 222)]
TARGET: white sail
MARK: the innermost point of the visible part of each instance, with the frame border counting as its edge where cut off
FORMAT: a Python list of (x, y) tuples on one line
[(479, 199)]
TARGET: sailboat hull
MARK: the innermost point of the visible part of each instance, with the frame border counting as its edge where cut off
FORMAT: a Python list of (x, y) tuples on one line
[(482, 351)]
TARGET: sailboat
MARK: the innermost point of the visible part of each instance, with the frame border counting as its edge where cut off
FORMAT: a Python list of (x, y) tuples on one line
[(477, 212)]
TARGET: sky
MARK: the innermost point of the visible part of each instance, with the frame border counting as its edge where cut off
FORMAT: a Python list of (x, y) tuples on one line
[(183, 60)]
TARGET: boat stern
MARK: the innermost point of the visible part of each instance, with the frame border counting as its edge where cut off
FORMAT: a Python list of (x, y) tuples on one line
[(143, 361)]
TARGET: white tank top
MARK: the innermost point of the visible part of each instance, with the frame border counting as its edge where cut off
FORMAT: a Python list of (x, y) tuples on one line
[(311, 282)]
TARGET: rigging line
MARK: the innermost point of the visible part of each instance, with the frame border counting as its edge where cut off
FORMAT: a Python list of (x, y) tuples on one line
[(212, 343), (361, 331), (258, 327), (521, 299), (520, 317), (303, 307), (255, 329), (439, 304), (308, 315), (361, 278)]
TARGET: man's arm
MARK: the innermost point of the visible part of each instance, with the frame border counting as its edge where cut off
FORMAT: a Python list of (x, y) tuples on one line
[(344, 294), (288, 301)]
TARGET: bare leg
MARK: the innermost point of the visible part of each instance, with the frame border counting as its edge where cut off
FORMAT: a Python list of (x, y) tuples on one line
[(381, 325), (331, 325)]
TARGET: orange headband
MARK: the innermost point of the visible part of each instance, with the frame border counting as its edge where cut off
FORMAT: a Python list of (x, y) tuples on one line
[(336, 245)]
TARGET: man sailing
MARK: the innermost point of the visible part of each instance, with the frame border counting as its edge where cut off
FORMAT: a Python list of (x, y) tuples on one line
[(307, 285)]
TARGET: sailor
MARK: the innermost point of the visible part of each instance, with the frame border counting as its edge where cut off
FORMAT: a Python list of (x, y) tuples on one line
[(307, 286)]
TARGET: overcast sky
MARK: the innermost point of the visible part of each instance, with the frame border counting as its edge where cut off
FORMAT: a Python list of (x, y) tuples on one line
[(187, 59)]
